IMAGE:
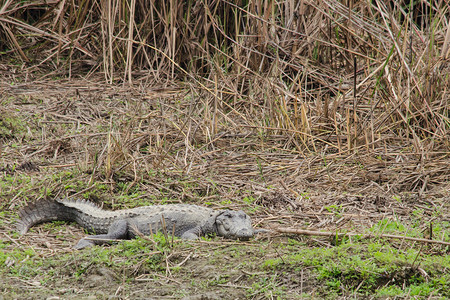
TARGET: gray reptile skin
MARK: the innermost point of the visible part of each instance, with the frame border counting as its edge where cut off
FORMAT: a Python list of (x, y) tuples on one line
[(184, 220)]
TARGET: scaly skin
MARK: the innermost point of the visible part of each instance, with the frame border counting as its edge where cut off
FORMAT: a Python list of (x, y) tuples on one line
[(184, 220)]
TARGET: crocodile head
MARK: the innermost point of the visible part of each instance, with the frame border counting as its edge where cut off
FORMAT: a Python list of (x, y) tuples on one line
[(234, 225)]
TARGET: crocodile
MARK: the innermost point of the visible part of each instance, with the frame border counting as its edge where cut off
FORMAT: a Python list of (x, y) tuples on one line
[(186, 221)]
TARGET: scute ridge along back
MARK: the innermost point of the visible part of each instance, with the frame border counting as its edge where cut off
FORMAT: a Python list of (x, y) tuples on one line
[(188, 221)]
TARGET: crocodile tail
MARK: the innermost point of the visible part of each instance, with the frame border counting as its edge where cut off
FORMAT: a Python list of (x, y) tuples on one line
[(42, 211)]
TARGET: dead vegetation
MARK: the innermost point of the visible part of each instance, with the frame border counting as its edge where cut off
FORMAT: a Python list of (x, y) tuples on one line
[(324, 116), (347, 76), (345, 99)]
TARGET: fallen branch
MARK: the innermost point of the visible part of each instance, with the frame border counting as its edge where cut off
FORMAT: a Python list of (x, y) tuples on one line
[(364, 236)]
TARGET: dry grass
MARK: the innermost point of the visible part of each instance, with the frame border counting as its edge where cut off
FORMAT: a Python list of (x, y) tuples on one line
[(159, 144), (320, 115), (353, 75), (297, 104)]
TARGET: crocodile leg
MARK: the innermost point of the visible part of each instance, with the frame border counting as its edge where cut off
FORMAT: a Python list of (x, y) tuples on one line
[(192, 234), (117, 231)]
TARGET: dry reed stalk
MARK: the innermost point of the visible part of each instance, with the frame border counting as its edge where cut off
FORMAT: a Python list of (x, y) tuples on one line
[(285, 77), (364, 236)]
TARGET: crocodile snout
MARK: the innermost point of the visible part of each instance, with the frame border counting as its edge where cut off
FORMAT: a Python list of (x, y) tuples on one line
[(244, 234)]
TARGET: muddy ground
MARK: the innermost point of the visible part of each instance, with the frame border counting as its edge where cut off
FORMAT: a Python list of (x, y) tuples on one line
[(123, 147)]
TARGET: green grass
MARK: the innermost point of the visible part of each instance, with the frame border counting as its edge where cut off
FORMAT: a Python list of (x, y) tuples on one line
[(123, 258), (372, 268), (354, 266), (362, 267), (11, 125)]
